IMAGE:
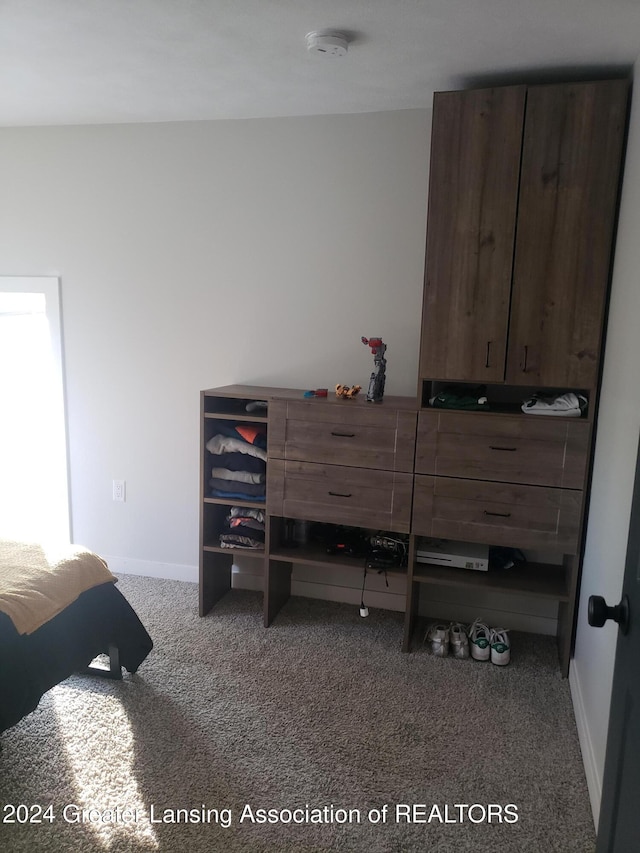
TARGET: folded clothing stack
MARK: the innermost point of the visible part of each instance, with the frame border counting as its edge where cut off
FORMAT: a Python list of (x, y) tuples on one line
[(461, 397), (239, 461), (244, 528), (567, 405)]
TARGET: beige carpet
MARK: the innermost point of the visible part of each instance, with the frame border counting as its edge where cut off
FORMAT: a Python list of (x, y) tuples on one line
[(319, 718)]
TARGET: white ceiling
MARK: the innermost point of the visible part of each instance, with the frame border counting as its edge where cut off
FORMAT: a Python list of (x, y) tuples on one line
[(97, 61)]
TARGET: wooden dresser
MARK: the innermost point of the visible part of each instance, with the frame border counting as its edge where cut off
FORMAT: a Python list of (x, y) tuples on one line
[(523, 194), (343, 461), (395, 468)]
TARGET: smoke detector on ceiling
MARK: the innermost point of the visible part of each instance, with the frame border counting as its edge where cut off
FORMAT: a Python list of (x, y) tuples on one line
[(326, 43)]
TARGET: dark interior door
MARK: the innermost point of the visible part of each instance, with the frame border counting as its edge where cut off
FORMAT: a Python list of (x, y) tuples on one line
[(619, 825)]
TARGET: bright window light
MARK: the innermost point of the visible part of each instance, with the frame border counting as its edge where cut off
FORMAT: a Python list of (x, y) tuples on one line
[(33, 466), (114, 744)]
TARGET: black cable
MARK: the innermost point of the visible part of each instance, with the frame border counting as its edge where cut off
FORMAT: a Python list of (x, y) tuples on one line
[(364, 578)]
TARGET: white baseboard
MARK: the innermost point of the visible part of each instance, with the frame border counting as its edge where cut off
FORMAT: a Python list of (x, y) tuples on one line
[(594, 781), (152, 569)]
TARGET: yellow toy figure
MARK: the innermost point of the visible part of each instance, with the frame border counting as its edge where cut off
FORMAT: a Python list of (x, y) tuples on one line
[(347, 392)]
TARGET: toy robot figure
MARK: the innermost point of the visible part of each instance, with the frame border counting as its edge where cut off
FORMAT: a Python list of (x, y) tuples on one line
[(376, 383)]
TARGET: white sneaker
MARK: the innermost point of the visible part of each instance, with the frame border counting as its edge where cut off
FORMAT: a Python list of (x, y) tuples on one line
[(479, 640), (438, 636), (500, 647), (458, 641)]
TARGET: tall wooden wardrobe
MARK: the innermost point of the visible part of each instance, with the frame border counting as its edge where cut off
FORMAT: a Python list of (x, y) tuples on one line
[(523, 195)]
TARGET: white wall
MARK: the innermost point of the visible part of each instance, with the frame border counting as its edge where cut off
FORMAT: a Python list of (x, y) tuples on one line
[(616, 447), (200, 254)]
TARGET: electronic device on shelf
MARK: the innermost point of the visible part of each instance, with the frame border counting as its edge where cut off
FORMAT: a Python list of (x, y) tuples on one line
[(387, 552), (345, 540), (379, 550), (456, 555)]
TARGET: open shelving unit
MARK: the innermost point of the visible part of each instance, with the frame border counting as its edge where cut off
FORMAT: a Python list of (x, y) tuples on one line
[(548, 582), (216, 562), (541, 580)]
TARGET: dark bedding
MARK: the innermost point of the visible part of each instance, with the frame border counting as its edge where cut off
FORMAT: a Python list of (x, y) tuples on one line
[(30, 664)]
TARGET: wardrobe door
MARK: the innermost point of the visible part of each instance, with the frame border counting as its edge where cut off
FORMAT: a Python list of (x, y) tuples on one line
[(473, 186), (571, 159)]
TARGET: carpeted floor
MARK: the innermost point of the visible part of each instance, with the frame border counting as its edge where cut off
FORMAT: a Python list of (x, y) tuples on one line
[(321, 711)]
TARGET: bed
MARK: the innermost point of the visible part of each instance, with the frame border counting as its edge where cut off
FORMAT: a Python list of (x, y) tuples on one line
[(59, 610)]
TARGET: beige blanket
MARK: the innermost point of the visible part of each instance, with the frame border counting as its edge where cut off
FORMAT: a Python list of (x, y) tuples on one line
[(37, 582)]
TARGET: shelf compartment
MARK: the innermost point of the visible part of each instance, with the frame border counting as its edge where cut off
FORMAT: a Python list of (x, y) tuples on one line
[(215, 424), (228, 416), (237, 502), (541, 580), (213, 523), (234, 402), (503, 399), (315, 555), (246, 552)]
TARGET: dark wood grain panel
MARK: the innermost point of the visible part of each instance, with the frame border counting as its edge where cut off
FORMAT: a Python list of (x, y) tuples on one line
[(542, 580), (340, 495), (355, 411), (358, 436), (518, 425), (277, 432), (569, 186), (342, 444), (473, 185), (519, 449), (497, 513)]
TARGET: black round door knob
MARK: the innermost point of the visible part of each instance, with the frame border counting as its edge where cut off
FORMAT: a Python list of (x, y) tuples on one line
[(600, 612)]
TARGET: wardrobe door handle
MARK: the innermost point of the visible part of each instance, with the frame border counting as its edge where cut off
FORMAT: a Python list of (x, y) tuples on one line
[(344, 434), (339, 495), (497, 514), (488, 350), (526, 356), (495, 447)]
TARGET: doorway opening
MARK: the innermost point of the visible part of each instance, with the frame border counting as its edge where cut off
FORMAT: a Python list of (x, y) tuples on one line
[(34, 493)]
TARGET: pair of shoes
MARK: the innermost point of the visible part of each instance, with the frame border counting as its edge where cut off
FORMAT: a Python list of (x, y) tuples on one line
[(441, 637), (459, 641), (489, 643), (438, 636), (500, 647)]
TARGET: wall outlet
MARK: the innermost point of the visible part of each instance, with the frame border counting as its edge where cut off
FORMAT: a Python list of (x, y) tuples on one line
[(119, 490)]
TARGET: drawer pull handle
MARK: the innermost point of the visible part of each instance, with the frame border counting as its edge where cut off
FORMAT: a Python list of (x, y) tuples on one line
[(495, 447), (339, 495), (498, 514), (344, 434)]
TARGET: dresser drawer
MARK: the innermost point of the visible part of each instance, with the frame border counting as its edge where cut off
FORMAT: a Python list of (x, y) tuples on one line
[(511, 449), (339, 495), (342, 432), (497, 513)]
